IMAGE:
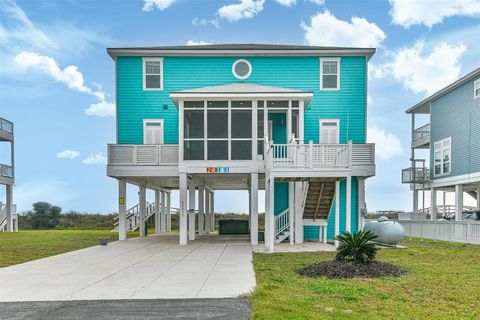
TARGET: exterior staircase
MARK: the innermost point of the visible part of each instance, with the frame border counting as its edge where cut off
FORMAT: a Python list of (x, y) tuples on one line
[(282, 226), (133, 216), (3, 218), (319, 199)]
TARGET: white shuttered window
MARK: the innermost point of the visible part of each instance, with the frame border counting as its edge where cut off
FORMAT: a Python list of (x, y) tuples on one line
[(329, 131), (153, 131)]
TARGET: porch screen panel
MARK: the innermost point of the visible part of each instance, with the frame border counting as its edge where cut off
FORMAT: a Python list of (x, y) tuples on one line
[(241, 133), (217, 133), (193, 132), (260, 130)]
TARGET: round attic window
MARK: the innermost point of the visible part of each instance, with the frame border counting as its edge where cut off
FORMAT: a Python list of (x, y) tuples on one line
[(241, 69)]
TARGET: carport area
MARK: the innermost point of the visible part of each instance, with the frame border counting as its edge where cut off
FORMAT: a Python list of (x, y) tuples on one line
[(155, 267)]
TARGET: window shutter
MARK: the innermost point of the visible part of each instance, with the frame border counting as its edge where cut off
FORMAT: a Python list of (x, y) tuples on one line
[(153, 132), (329, 132)]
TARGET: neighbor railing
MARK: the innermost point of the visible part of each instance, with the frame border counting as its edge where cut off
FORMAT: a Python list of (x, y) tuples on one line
[(6, 126), (419, 175), (455, 231), (320, 156), (6, 171), (142, 154), (423, 131)]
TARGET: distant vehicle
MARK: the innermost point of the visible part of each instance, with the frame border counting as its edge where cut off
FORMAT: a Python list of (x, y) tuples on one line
[(471, 215), (466, 215)]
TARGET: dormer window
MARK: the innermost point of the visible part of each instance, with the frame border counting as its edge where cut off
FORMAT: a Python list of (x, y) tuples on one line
[(329, 73), (152, 73)]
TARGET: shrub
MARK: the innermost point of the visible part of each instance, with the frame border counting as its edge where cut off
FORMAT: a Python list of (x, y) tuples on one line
[(356, 247)]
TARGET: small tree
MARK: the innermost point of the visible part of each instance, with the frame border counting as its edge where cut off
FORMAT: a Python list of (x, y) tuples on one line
[(44, 215), (356, 247)]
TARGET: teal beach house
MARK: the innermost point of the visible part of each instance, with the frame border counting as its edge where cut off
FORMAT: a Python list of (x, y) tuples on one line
[(287, 119)]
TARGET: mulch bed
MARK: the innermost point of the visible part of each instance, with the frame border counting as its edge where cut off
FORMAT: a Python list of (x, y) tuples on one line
[(340, 269)]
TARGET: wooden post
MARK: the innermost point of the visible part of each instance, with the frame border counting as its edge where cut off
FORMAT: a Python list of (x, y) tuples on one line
[(183, 208), (254, 208), (122, 210), (348, 211), (201, 209), (458, 202), (191, 210), (337, 211), (158, 217), (291, 211)]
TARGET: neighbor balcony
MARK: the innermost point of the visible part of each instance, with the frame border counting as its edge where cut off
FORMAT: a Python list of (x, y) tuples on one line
[(6, 130), (421, 137), (416, 175)]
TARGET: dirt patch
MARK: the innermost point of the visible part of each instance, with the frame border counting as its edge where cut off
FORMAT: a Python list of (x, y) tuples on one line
[(340, 269)]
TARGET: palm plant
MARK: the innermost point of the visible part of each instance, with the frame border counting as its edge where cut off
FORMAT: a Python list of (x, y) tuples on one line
[(356, 247)]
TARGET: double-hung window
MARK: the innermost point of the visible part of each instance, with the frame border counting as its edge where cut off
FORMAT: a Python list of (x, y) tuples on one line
[(329, 73), (442, 156), (152, 73), (476, 89)]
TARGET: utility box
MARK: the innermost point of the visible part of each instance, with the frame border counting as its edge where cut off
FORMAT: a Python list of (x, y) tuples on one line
[(233, 227)]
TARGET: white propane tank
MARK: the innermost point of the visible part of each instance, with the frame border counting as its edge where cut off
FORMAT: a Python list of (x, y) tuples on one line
[(388, 232)]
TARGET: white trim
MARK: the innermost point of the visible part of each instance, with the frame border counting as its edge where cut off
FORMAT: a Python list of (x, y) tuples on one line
[(239, 76), (475, 84), (461, 179), (316, 222), (337, 60), (441, 163), (144, 60), (113, 52), (145, 121), (321, 121)]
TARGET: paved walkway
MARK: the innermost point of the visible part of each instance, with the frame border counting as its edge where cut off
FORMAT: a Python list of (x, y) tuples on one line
[(155, 267), (231, 309)]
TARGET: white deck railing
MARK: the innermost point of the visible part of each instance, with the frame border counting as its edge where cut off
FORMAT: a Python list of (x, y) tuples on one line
[(320, 156), (455, 231), (143, 154)]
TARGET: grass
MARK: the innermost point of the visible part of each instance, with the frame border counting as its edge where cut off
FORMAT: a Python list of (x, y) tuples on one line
[(23, 246), (443, 282)]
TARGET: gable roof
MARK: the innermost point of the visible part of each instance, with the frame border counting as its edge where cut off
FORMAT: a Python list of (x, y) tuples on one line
[(424, 105), (239, 49), (241, 90)]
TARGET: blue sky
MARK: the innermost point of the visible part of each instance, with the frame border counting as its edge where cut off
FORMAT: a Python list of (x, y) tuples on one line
[(57, 85)]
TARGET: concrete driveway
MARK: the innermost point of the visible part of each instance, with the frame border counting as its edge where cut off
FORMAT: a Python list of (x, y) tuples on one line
[(155, 267)]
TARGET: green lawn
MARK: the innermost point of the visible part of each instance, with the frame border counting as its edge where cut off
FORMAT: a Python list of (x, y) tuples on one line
[(443, 283), (18, 247)]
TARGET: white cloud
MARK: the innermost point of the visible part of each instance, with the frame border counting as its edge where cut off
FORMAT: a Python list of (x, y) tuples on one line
[(205, 22), (387, 145), (97, 158), (326, 30), (101, 109), (245, 9), (149, 5), (20, 28), (420, 72), (286, 3), (56, 192), (319, 2), (413, 12), (369, 100), (196, 43), (69, 76), (68, 154)]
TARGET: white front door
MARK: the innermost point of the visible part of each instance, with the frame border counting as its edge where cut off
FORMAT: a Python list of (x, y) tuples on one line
[(153, 131), (329, 131)]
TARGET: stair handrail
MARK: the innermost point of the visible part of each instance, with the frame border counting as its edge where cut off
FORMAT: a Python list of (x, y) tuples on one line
[(282, 222)]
